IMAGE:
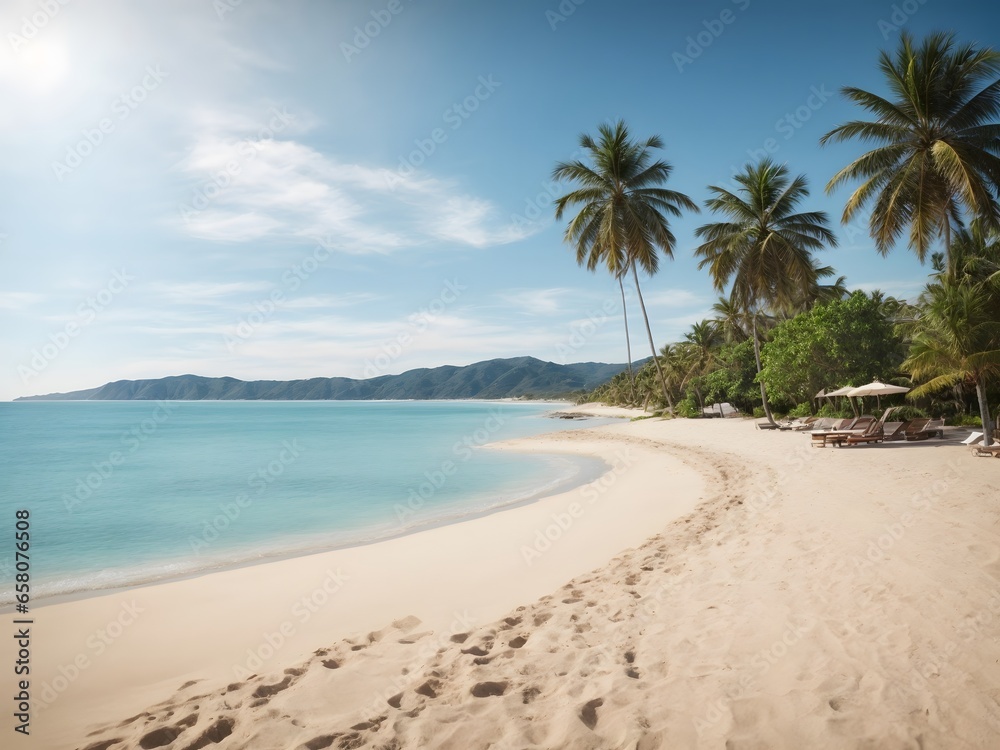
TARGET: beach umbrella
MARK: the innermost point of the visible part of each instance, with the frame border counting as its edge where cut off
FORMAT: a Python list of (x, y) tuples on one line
[(818, 396), (845, 391), (877, 389)]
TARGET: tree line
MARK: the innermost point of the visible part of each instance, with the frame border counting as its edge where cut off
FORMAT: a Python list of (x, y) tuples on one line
[(784, 327)]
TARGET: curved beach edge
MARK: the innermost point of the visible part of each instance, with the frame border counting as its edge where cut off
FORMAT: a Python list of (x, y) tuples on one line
[(718, 585)]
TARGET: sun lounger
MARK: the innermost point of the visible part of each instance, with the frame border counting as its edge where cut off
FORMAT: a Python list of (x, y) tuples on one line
[(806, 424), (974, 441), (899, 433), (931, 428), (859, 426), (914, 427), (796, 424), (877, 434)]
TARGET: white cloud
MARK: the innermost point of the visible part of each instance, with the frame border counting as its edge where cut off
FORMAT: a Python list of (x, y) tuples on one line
[(19, 300), (672, 298), (535, 301), (202, 292), (244, 187)]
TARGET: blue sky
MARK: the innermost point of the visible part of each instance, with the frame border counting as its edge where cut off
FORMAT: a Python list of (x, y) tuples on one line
[(299, 189)]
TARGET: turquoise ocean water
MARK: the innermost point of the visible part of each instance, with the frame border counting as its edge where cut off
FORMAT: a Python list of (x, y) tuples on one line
[(122, 493)]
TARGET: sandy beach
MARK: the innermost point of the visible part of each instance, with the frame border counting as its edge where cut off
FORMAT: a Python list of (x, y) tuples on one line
[(719, 587)]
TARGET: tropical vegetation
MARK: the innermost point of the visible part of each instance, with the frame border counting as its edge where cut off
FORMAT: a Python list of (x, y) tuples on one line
[(785, 326)]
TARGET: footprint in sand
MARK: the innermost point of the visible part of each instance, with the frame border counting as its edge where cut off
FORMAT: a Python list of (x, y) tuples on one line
[(103, 744), (266, 691), (213, 735), (489, 689), (430, 688), (529, 694), (588, 714)]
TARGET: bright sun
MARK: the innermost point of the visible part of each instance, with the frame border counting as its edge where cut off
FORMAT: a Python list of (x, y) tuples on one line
[(40, 64)]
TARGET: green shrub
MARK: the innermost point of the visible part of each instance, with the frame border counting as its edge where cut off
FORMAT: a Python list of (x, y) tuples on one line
[(832, 410), (688, 408), (802, 410), (758, 412), (966, 420)]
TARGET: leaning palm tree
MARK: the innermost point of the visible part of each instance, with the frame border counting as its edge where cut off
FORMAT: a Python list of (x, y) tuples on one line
[(956, 342), (764, 248), (622, 222), (938, 142)]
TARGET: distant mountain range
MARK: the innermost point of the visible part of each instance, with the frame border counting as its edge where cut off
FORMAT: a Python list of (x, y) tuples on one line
[(494, 378)]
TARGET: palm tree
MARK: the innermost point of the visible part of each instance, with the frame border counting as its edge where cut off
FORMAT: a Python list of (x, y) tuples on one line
[(956, 342), (938, 143), (764, 248), (731, 320), (702, 344), (622, 221), (670, 360)]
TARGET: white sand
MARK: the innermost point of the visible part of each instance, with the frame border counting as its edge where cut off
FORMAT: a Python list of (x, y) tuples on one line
[(820, 598)]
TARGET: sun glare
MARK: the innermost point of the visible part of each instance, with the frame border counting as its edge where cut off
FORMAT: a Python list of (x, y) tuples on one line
[(40, 65)]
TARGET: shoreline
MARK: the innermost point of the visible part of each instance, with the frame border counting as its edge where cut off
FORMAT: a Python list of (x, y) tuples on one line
[(555, 487), (728, 585), (223, 632), (183, 567)]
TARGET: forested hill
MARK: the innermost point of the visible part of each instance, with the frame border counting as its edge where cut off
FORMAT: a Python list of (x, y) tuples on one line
[(495, 378)]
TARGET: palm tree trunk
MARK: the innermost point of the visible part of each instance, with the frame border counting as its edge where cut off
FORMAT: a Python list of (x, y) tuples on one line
[(763, 390), (652, 346), (984, 411), (628, 342)]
